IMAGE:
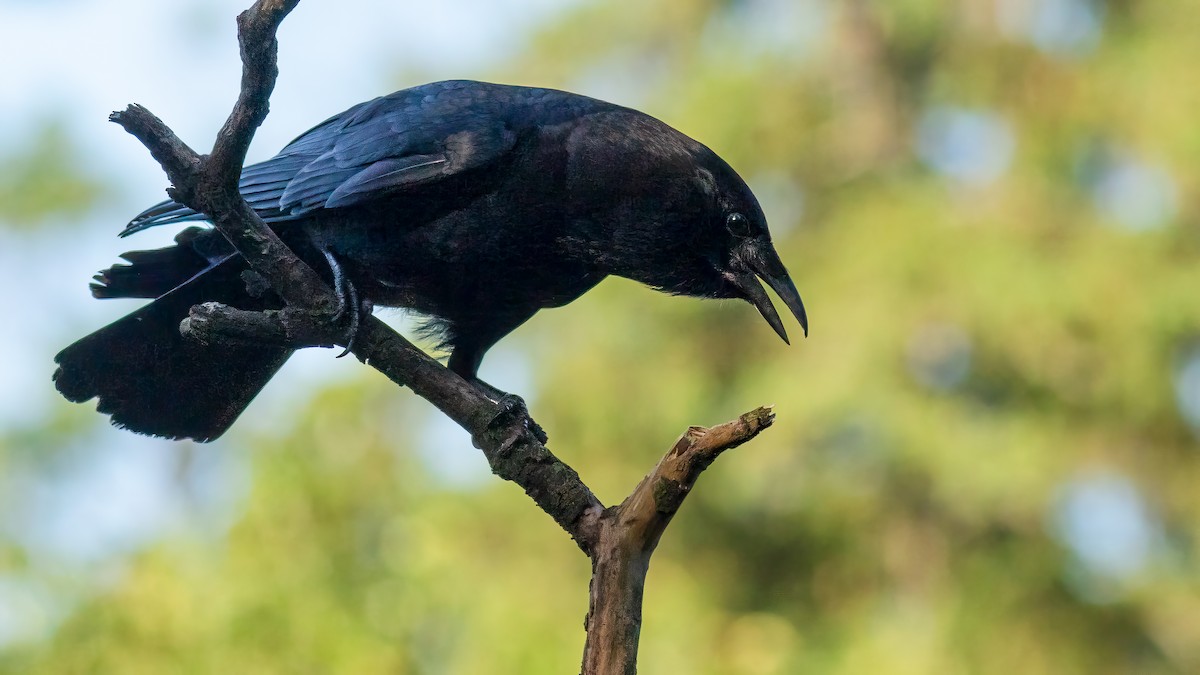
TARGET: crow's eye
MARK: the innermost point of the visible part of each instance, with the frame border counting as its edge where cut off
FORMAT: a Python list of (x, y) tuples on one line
[(738, 225)]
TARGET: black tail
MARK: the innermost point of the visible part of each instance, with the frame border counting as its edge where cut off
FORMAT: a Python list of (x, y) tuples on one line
[(148, 377)]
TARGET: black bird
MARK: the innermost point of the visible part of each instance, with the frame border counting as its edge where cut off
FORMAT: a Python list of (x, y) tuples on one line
[(474, 204)]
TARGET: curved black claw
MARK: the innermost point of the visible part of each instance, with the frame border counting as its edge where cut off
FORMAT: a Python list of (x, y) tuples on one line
[(348, 302), (512, 411)]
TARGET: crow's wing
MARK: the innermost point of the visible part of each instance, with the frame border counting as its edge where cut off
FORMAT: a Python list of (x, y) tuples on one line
[(375, 149)]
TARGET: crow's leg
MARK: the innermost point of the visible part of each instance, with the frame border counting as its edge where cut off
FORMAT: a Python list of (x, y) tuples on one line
[(493, 393), (348, 301), (470, 344)]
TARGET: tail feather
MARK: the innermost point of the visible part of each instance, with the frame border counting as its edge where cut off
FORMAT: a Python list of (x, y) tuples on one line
[(162, 213), (147, 376), (150, 274)]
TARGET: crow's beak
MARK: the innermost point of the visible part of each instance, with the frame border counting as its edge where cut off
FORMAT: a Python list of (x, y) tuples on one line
[(758, 257)]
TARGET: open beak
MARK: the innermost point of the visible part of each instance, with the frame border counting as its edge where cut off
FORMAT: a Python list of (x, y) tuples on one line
[(759, 258)]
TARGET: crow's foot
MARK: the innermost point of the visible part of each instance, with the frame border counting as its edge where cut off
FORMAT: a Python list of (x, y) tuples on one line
[(514, 416), (348, 301)]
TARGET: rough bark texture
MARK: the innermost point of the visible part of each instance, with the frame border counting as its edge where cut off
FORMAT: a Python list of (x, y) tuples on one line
[(619, 540), (630, 532)]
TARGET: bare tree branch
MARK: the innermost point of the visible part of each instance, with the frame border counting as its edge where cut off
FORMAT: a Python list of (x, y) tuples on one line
[(630, 532), (260, 51), (619, 540), (214, 323), (210, 184)]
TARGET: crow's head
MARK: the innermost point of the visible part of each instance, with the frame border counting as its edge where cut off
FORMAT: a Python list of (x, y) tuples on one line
[(663, 209), (737, 248)]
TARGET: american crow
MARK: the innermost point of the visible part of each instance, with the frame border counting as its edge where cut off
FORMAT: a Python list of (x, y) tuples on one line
[(474, 204)]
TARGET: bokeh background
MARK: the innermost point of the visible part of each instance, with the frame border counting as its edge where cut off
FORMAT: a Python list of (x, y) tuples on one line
[(986, 453)]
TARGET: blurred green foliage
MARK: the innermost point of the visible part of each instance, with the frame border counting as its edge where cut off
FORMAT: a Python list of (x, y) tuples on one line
[(42, 179), (995, 377)]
